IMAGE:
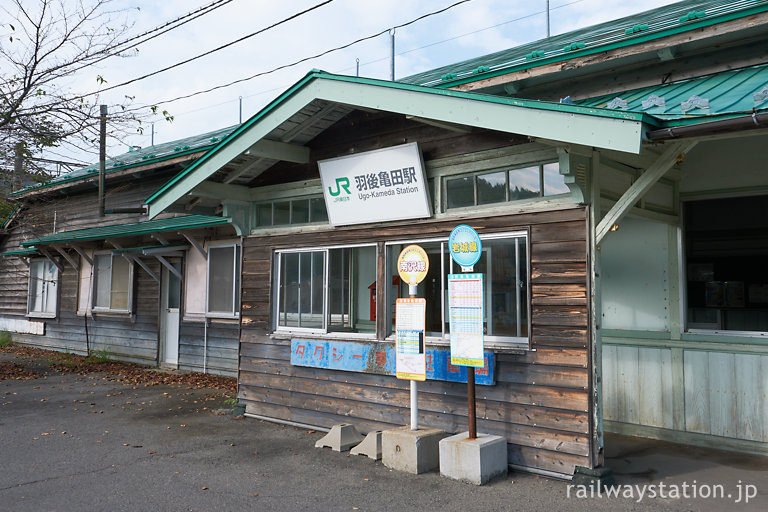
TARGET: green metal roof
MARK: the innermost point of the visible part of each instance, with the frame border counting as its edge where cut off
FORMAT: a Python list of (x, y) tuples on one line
[(428, 92), (724, 94), (637, 28), (21, 252), (134, 229), (139, 157)]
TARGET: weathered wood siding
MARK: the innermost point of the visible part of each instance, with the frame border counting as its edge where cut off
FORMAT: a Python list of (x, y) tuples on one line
[(129, 338), (540, 402), (215, 351)]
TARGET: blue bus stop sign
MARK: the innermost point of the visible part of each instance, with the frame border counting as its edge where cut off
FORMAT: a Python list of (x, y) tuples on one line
[(465, 246)]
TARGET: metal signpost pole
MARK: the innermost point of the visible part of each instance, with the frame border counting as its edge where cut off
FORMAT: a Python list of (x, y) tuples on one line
[(412, 265), (414, 384), (466, 248)]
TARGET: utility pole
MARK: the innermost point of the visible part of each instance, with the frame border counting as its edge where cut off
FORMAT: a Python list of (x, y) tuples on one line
[(547, 18), (102, 155), (392, 58)]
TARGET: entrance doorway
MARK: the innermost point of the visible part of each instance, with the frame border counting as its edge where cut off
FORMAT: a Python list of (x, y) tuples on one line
[(170, 305)]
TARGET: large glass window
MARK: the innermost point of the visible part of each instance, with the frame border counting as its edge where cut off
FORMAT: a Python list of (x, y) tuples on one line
[(113, 283), (224, 281), (504, 265), (327, 289), (43, 280), (726, 249), (504, 185)]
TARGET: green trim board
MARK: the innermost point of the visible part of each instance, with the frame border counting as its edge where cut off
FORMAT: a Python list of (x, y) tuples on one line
[(133, 229), (21, 252), (621, 131), (662, 22)]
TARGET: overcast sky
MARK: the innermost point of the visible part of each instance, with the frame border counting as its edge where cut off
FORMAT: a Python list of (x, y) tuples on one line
[(472, 29)]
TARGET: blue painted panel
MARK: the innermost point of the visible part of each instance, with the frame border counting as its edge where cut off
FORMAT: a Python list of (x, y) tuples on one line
[(379, 358)]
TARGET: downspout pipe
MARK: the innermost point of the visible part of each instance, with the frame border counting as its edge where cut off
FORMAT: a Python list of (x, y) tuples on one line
[(741, 123)]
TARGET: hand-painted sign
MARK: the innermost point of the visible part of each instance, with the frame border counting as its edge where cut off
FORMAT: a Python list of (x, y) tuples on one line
[(465, 246), (413, 264), (465, 306), (411, 362), (379, 358), (375, 186)]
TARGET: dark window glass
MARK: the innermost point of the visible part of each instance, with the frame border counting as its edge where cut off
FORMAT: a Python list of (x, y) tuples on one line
[(491, 188), (460, 192), (524, 183)]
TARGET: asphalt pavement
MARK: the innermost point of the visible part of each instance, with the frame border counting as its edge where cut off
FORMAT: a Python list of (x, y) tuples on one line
[(79, 443)]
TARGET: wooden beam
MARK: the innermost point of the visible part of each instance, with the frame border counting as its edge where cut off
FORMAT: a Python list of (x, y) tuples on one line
[(160, 239), (664, 218), (136, 260), (308, 122), (276, 150), (243, 170), (47, 254), (219, 191), (641, 186), (83, 254), (197, 245), (441, 124), (170, 267), (67, 257)]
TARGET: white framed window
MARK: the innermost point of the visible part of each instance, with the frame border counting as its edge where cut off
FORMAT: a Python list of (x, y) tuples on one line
[(504, 265), (43, 287), (501, 185), (330, 289), (112, 283), (223, 281)]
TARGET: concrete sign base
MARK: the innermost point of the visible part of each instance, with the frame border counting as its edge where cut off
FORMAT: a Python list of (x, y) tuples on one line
[(476, 461), (371, 446), (411, 451), (341, 438)]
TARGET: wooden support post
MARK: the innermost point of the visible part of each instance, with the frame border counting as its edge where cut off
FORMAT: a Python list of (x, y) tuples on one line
[(67, 257), (638, 189)]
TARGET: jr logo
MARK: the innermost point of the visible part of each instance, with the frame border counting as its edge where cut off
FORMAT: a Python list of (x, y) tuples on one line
[(341, 183)]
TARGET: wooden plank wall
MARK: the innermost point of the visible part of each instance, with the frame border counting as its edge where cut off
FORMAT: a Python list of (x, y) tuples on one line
[(127, 338), (221, 347), (541, 400)]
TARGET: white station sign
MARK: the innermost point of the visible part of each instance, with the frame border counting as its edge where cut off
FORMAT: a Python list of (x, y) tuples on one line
[(375, 186)]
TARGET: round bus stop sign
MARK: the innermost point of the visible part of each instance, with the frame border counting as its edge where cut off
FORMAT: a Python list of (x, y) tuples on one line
[(413, 265), (465, 246)]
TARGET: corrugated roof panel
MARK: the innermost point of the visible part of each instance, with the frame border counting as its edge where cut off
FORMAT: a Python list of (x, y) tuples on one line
[(728, 92), (133, 229), (146, 155), (660, 22)]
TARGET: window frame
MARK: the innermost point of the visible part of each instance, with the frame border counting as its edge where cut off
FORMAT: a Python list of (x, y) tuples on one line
[(490, 342), (276, 286), (46, 298), (237, 280), (95, 280), (258, 224), (493, 170)]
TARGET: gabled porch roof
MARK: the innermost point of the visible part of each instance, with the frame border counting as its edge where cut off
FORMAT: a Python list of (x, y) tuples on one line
[(280, 130)]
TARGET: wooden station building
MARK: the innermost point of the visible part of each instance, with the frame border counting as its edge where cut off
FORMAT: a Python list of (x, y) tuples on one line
[(616, 179)]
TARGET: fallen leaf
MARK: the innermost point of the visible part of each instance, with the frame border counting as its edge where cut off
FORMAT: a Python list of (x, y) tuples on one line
[(255, 494), (125, 444), (204, 488), (255, 453)]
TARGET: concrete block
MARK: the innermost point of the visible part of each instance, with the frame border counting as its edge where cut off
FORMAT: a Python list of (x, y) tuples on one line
[(341, 438), (597, 478), (371, 446), (476, 461), (411, 451)]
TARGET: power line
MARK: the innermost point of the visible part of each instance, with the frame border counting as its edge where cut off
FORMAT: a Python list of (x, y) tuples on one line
[(285, 20), (158, 31), (295, 63)]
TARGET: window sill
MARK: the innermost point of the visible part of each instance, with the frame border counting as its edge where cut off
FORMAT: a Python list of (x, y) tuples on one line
[(41, 315), (221, 316), (111, 312), (351, 336)]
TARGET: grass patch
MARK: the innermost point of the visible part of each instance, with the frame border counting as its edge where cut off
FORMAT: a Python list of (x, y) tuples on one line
[(99, 356), (5, 339)]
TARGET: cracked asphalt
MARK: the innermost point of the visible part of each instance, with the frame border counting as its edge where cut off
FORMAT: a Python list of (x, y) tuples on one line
[(79, 443)]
